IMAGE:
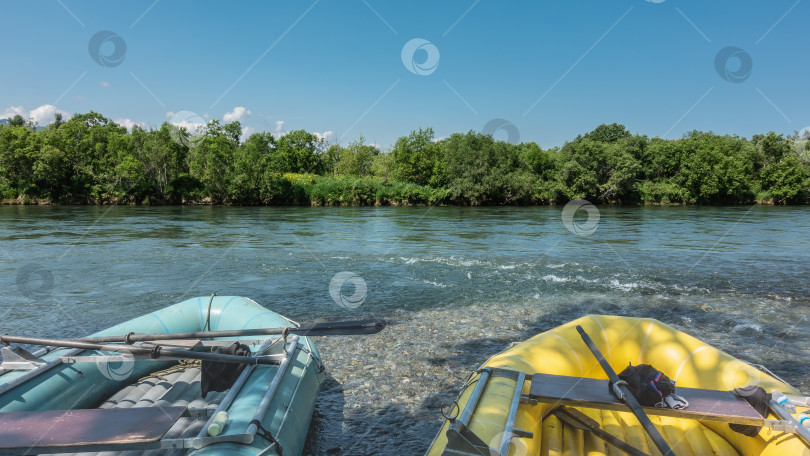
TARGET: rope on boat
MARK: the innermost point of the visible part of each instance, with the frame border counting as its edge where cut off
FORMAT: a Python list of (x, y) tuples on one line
[(181, 366), (266, 435), (208, 317), (454, 405)]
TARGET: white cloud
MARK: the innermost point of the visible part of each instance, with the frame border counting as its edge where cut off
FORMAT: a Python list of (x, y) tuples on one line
[(246, 132), (128, 123), (13, 111), (104, 84), (325, 136), (279, 131), (45, 113), (170, 114), (42, 115), (238, 113)]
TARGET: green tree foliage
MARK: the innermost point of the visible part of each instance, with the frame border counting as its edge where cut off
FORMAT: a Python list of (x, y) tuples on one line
[(356, 159), (298, 152), (604, 171), (608, 133), (19, 147), (90, 159), (162, 159), (480, 170), (16, 121), (786, 180), (250, 167), (417, 158), (211, 158), (715, 168)]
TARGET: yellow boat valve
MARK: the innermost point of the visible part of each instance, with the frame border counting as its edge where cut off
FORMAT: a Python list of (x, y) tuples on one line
[(218, 424)]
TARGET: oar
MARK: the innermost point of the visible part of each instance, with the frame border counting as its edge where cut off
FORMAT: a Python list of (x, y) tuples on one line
[(155, 351), (579, 420), (627, 397), (333, 328)]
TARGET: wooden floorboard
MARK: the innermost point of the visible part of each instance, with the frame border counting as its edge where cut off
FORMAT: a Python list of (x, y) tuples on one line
[(708, 405), (74, 428)]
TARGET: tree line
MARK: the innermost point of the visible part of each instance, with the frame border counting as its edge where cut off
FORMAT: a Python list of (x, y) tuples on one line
[(89, 159)]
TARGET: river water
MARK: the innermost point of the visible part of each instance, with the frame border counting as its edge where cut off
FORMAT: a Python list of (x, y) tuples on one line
[(456, 285)]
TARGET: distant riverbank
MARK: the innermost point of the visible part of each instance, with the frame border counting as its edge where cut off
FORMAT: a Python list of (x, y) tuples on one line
[(90, 159), (312, 190)]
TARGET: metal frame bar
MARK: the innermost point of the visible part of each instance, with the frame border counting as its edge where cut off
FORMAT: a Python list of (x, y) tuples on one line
[(37, 371), (783, 414), (472, 403), (264, 405), (203, 439), (237, 386), (295, 391), (508, 432), (14, 366)]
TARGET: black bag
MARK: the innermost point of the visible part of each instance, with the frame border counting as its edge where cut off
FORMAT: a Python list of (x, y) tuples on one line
[(758, 399), (219, 376), (647, 384)]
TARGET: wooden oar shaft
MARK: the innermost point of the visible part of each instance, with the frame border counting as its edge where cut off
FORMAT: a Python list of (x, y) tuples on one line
[(629, 399), (155, 351), (338, 328)]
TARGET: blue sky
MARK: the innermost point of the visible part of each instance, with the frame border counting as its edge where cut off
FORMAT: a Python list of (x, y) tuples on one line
[(552, 69)]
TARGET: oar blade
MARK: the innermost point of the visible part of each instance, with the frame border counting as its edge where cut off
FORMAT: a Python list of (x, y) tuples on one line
[(342, 328)]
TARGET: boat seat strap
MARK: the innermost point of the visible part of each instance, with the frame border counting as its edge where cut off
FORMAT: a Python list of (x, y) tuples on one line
[(85, 429)]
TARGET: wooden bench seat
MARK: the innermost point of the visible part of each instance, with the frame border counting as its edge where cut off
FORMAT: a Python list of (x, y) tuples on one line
[(707, 405), (74, 429)]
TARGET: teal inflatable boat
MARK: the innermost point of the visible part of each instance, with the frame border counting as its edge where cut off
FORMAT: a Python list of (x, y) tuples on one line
[(148, 400)]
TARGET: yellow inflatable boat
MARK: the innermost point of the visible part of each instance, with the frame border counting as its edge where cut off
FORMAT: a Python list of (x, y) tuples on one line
[(511, 405)]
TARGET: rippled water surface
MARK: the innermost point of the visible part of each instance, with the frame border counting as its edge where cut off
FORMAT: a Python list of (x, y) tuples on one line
[(456, 284)]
